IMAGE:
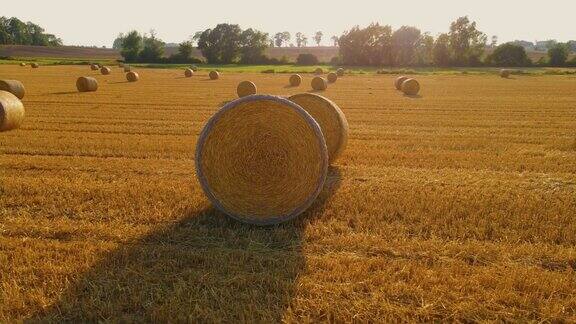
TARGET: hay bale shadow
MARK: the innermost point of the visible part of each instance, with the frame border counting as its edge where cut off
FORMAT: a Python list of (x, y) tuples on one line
[(206, 267), (64, 93), (118, 82), (414, 96)]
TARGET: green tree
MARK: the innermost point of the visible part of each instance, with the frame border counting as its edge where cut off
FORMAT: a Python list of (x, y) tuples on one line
[(558, 54), (366, 46), (185, 50), (132, 46), (405, 42), (425, 50), (441, 54), (153, 48), (117, 45), (221, 45), (299, 38), (509, 54), (318, 37), (253, 44), (467, 43)]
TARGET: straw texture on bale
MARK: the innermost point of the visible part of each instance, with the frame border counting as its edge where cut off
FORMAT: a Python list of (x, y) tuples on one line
[(94, 67), (188, 73), (127, 68), (340, 72), (11, 111), (246, 88), (295, 80), (505, 73), (318, 71), (15, 87), (132, 76), (319, 83), (22, 64), (332, 77), (105, 70), (214, 75), (331, 119), (398, 82), (34, 65), (261, 159), (86, 84), (410, 87)]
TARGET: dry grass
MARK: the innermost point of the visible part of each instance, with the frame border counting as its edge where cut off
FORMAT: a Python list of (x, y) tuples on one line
[(458, 205)]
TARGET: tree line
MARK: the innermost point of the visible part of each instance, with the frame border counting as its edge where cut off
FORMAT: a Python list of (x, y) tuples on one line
[(13, 31)]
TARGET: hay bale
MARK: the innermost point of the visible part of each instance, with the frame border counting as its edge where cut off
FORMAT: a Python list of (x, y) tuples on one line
[(132, 76), (505, 73), (295, 80), (340, 72), (11, 111), (105, 70), (94, 67), (332, 77), (319, 84), (127, 68), (22, 64), (15, 87), (318, 71), (246, 88), (410, 87), (86, 84), (214, 75), (261, 159), (398, 82), (331, 119), (34, 65), (188, 73)]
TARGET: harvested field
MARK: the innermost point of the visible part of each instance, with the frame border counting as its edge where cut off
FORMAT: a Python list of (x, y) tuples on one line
[(457, 205)]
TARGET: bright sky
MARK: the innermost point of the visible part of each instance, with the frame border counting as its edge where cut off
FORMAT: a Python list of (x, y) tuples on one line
[(98, 22)]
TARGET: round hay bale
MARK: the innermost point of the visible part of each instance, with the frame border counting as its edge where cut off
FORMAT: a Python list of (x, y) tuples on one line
[(505, 73), (127, 68), (132, 76), (34, 65), (22, 64), (94, 67), (331, 119), (332, 77), (246, 88), (295, 80), (105, 70), (261, 159), (86, 84), (214, 75), (318, 71), (11, 111), (188, 73), (340, 72), (398, 82), (15, 87), (410, 87), (319, 84)]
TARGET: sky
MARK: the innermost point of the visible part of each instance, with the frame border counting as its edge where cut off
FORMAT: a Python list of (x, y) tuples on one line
[(98, 23)]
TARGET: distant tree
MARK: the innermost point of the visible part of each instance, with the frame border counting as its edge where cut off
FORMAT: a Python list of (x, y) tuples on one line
[(194, 38), (425, 50), (14, 31), (405, 41), (366, 46), (253, 44), (334, 40), (185, 50), (131, 46), (494, 41), (278, 39), (221, 45), (304, 41), (558, 54), (153, 48), (286, 37), (318, 37), (441, 53), (306, 59), (299, 37), (509, 54), (571, 45), (467, 43), (117, 45)]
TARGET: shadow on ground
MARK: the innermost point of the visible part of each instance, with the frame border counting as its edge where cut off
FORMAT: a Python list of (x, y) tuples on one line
[(204, 268), (64, 93)]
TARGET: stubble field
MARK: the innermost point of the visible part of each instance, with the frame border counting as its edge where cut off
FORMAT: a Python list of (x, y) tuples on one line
[(458, 204)]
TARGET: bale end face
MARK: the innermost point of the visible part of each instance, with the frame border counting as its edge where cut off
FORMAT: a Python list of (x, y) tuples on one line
[(505, 73), (105, 70), (132, 76), (34, 65), (410, 87), (246, 88), (398, 82), (319, 84), (332, 77), (86, 84), (261, 160), (15, 87), (188, 73), (295, 80), (340, 72), (214, 75), (22, 64), (94, 67), (11, 111)]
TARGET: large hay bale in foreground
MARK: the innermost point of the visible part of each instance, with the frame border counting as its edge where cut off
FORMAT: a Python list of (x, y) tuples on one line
[(340, 72), (214, 75), (319, 84), (261, 159), (295, 80), (246, 88), (34, 65), (132, 76), (505, 73), (398, 82), (86, 84), (11, 111), (318, 71), (15, 87), (188, 73), (410, 87), (331, 119), (94, 67), (332, 77), (105, 70)]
